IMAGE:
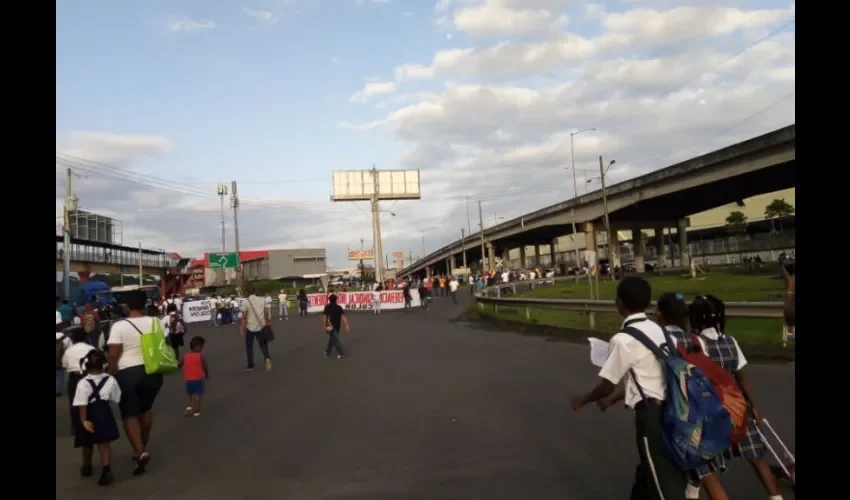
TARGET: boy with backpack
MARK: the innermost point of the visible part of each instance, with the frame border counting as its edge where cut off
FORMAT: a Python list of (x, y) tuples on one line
[(658, 476)]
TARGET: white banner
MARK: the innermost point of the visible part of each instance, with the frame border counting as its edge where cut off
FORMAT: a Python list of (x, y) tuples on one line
[(361, 301), (197, 310)]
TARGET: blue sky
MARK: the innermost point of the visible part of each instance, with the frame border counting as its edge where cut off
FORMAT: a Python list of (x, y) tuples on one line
[(185, 94)]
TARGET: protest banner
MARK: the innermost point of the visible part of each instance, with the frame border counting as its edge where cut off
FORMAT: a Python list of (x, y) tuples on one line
[(361, 301), (196, 310)]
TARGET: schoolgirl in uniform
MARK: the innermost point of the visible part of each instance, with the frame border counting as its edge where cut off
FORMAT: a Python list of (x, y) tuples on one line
[(708, 320), (672, 314), (73, 362), (96, 423)]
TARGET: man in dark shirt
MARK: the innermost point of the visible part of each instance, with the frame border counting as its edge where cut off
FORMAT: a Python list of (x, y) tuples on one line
[(332, 320)]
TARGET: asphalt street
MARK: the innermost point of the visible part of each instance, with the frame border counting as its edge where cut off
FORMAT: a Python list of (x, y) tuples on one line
[(426, 407)]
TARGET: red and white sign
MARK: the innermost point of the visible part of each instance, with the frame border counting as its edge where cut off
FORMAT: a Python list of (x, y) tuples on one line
[(362, 301)]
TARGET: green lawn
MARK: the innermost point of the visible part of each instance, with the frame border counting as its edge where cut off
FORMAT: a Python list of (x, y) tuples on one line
[(729, 286)]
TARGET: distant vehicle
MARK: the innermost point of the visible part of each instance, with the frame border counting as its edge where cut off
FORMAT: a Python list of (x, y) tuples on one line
[(151, 292), (95, 293)]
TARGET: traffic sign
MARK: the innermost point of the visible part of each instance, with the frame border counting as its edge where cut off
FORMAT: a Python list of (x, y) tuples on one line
[(222, 260)]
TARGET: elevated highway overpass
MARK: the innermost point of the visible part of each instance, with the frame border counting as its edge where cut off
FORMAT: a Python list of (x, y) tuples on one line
[(661, 199), (93, 257)]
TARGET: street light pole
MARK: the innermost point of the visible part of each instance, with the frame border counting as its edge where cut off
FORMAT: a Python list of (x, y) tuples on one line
[(605, 212), (575, 185)]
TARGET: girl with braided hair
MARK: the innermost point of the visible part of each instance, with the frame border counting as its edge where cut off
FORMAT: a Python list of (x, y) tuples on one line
[(708, 320)]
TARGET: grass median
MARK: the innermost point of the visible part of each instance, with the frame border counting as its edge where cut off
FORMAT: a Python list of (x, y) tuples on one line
[(729, 286)]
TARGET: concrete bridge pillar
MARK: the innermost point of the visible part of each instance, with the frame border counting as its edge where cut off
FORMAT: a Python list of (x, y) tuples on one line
[(536, 255), (553, 253), (682, 230), (590, 239), (637, 241), (522, 257), (614, 248), (660, 250), (491, 257)]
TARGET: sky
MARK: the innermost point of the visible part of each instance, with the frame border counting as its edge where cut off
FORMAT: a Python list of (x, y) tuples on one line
[(158, 102)]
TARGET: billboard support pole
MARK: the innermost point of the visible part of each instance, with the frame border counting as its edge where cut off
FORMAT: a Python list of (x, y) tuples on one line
[(376, 229)]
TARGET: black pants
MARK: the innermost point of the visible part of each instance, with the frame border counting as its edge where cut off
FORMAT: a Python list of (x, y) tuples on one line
[(657, 476)]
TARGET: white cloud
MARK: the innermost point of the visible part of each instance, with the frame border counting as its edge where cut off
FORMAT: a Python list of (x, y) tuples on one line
[(261, 16), (660, 86), (362, 127), (494, 19), (372, 89), (190, 25), (491, 120)]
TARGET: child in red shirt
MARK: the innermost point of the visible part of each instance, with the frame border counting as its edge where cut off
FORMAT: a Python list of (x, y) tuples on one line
[(195, 373)]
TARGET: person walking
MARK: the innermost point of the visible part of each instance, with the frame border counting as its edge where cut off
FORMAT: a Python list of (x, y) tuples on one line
[(252, 328), (139, 389), (282, 309), (333, 318)]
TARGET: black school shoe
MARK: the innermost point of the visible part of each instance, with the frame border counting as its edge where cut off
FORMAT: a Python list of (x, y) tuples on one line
[(86, 471), (106, 477)]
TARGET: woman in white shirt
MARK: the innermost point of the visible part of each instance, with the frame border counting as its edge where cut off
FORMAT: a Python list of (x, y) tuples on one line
[(138, 388)]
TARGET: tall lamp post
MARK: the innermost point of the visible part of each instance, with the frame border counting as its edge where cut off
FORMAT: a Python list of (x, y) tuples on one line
[(575, 182)]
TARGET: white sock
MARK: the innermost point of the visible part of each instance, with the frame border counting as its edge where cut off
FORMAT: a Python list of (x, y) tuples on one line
[(692, 492), (775, 497)]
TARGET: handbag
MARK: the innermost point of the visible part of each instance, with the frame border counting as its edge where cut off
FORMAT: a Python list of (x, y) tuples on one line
[(266, 334)]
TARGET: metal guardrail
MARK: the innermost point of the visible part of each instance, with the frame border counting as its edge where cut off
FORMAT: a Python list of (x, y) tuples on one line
[(770, 310)]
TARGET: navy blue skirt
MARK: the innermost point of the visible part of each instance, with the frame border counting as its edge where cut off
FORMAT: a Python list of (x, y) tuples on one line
[(105, 427)]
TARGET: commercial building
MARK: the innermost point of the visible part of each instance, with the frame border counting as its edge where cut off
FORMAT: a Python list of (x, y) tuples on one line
[(285, 263)]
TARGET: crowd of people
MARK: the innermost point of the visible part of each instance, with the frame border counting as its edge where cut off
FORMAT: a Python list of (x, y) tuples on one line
[(101, 369), (636, 372)]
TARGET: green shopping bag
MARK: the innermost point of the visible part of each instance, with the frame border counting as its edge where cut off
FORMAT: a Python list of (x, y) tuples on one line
[(158, 355)]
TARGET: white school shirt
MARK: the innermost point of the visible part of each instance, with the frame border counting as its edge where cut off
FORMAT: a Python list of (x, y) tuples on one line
[(213, 303), (267, 301), (122, 333), (109, 392), (254, 307), (626, 352), (711, 334), (281, 298), (73, 359), (376, 296), (453, 284)]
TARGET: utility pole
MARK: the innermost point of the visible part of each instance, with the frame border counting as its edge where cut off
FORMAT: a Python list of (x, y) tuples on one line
[(463, 247), (66, 221), (222, 192), (141, 275), (607, 221), (234, 202), (468, 223), (376, 229), (481, 224)]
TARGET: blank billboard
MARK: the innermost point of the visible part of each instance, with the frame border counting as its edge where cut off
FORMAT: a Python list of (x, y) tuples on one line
[(356, 185)]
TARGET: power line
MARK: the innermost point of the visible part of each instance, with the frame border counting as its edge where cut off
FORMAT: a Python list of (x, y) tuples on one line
[(158, 183)]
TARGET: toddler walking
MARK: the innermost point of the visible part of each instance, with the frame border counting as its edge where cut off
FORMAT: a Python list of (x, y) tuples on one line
[(96, 424), (195, 373)]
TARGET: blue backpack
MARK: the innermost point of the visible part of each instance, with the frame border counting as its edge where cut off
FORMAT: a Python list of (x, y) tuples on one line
[(695, 426)]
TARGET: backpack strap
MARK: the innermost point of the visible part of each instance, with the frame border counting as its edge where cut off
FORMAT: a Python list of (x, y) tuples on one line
[(652, 346), (95, 389), (134, 326)]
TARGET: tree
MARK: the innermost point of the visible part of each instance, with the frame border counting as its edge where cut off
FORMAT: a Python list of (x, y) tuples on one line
[(778, 209), (736, 222)]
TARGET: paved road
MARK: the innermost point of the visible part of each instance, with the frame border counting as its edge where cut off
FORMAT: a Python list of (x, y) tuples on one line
[(425, 408)]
